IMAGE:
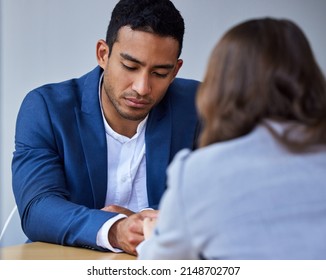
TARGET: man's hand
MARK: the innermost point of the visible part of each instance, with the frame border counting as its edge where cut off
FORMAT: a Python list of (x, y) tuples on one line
[(127, 233)]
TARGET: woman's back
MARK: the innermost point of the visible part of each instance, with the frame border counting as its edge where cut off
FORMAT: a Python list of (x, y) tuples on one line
[(247, 198), (254, 199)]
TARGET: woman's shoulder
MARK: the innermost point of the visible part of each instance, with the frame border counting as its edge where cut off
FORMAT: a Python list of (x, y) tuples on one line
[(227, 153)]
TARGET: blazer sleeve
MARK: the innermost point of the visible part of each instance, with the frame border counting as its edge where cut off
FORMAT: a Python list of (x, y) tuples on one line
[(39, 183)]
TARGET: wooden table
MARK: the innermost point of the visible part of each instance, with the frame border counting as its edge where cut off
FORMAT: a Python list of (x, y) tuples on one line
[(47, 251)]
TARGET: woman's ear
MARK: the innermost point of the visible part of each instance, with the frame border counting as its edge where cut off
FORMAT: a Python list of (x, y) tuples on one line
[(102, 53)]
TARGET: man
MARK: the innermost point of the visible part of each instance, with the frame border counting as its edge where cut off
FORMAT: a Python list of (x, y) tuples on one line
[(91, 153)]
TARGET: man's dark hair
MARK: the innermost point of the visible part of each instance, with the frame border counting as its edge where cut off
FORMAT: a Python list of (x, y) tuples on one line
[(155, 16)]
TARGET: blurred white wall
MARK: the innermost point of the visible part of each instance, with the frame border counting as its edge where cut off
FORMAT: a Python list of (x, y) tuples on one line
[(49, 41)]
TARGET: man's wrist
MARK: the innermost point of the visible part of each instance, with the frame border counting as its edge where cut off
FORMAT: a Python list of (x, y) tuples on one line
[(113, 234), (102, 239)]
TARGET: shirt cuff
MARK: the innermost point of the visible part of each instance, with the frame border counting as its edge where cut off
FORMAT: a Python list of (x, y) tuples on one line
[(102, 239), (146, 209)]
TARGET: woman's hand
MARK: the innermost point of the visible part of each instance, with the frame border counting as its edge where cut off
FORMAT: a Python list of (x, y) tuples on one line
[(148, 226)]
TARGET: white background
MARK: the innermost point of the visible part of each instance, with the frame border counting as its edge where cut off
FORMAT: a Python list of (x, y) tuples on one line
[(46, 41), (157, 269)]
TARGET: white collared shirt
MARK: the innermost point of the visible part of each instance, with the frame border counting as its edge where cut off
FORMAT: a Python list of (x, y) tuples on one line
[(126, 185), (126, 169)]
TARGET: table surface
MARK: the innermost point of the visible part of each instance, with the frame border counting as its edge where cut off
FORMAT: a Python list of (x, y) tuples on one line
[(47, 251)]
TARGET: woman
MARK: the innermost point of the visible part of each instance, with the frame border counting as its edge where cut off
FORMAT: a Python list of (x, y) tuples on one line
[(256, 189)]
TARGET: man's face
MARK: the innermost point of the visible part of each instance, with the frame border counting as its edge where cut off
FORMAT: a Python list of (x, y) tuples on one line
[(137, 73)]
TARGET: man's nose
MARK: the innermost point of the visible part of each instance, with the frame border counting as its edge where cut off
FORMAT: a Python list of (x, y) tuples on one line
[(141, 84)]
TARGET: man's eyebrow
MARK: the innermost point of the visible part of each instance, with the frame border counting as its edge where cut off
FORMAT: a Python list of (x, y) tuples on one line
[(133, 59)]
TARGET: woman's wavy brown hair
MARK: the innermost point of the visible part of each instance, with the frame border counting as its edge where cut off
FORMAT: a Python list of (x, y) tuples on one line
[(263, 69)]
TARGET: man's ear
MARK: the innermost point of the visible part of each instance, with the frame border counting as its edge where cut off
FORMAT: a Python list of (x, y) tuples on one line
[(177, 67), (102, 53)]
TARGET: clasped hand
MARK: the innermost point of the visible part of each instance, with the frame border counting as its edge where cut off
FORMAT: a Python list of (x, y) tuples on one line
[(128, 232)]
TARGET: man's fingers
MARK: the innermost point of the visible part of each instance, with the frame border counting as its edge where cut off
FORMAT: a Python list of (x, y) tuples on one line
[(149, 213)]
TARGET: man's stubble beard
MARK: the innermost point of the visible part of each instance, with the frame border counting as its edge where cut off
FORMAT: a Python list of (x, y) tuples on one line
[(109, 92)]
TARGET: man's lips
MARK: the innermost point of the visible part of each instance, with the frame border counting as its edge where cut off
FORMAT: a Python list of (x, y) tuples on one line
[(136, 103)]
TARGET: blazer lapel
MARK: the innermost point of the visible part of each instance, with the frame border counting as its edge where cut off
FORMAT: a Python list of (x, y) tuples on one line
[(93, 138), (158, 142)]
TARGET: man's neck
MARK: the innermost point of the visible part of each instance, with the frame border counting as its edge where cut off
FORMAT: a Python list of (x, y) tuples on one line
[(122, 126)]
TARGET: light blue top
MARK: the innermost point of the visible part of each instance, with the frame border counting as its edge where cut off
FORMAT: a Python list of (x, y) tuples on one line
[(247, 198)]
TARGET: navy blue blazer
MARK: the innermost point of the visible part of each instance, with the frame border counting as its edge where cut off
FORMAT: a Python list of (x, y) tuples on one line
[(59, 165)]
